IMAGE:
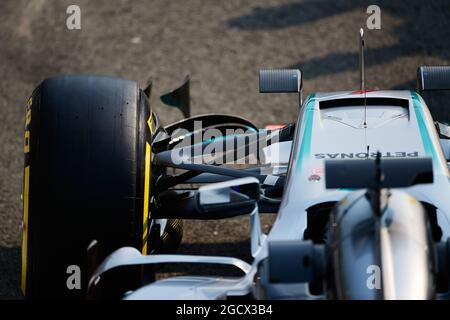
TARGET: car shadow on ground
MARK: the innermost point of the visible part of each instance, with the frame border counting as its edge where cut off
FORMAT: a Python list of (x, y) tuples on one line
[(422, 31), (9, 273)]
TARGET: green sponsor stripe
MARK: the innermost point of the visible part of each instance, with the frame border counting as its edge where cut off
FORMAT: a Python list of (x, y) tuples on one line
[(308, 116), (426, 139)]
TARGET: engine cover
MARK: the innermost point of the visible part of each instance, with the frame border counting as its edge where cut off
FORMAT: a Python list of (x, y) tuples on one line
[(380, 257)]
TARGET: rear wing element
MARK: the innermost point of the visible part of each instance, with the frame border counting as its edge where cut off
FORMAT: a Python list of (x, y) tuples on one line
[(433, 78), (374, 174), (280, 81)]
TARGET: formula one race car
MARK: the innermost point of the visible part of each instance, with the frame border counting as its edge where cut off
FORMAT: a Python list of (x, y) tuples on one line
[(360, 185)]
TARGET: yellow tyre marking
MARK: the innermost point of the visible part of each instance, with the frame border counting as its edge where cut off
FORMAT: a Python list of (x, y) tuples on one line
[(27, 142), (146, 198), (25, 229), (28, 117), (147, 188), (150, 123), (26, 188)]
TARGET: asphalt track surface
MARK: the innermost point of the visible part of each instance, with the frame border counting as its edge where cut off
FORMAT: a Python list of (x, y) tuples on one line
[(221, 45)]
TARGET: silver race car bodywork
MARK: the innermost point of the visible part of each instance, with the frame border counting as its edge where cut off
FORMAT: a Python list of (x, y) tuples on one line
[(338, 133), (364, 211), (338, 125)]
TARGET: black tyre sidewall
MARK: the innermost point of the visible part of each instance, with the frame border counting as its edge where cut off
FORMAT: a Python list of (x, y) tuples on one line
[(86, 163)]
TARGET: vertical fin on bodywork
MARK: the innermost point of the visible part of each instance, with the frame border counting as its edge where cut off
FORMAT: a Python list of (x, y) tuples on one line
[(148, 88), (256, 235), (179, 98)]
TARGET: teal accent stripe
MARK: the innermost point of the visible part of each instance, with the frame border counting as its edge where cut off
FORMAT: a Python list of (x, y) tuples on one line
[(426, 139), (308, 116)]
